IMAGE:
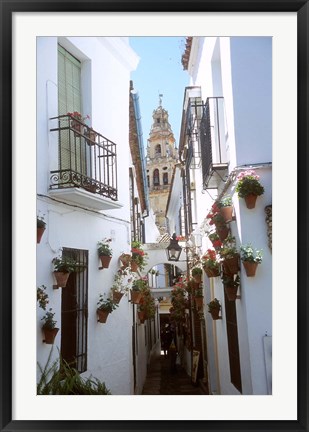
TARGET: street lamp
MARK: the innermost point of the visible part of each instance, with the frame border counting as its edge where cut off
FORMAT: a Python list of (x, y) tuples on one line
[(173, 250)]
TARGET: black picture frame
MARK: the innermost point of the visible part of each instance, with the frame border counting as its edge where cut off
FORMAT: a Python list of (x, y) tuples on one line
[(7, 8)]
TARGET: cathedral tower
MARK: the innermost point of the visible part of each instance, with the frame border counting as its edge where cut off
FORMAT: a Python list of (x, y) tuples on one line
[(161, 158)]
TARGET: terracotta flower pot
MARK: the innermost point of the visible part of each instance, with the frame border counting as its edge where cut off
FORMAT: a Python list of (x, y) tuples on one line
[(199, 302), (212, 272), (49, 334), (215, 314), (141, 316), (134, 266), (231, 292), (222, 231), (227, 213), (231, 265), (197, 278), (61, 279), (125, 260), (102, 315), (136, 296), (250, 201), (105, 260), (250, 268), (117, 296), (39, 234), (77, 127)]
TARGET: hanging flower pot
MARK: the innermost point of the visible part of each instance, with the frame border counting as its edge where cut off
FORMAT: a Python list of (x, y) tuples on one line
[(102, 315), (49, 334), (215, 314), (105, 260), (250, 201), (61, 279), (136, 296), (125, 260), (212, 272), (231, 265), (250, 268), (199, 302), (134, 266), (141, 316), (39, 234), (227, 213), (117, 296), (231, 292), (222, 231)]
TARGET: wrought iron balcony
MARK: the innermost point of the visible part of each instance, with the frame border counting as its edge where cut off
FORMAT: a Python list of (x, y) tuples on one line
[(213, 133), (86, 160)]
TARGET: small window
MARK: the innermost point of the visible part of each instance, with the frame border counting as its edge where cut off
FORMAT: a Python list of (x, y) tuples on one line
[(165, 178), (158, 150), (156, 177)]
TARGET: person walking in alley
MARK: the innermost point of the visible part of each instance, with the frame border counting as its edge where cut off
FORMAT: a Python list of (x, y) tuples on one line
[(166, 339)]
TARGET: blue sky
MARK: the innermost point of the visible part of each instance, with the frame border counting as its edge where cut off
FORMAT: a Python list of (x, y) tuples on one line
[(160, 72)]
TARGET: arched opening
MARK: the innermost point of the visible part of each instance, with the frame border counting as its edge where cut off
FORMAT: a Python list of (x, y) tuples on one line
[(156, 177), (165, 178), (158, 150)]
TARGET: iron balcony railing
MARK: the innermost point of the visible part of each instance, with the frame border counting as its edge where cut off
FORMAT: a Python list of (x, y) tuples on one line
[(213, 138), (86, 159)]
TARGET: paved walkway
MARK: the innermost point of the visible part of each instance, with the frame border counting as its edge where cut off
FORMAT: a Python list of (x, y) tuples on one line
[(161, 380)]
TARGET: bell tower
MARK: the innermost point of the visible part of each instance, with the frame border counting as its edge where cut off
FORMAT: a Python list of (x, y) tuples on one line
[(161, 158)]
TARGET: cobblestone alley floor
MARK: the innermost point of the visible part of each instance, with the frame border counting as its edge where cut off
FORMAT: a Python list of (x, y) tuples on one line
[(162, 381)]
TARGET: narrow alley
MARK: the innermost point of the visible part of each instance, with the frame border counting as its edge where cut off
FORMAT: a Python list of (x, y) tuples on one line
[(162, 380)]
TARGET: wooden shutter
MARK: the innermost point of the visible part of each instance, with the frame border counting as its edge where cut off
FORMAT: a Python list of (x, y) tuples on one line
[(71, 150)]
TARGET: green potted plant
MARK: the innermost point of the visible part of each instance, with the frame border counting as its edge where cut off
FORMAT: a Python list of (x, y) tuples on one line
[(40, 228), (226, 208), (198, 298), (105, 252), (49, 327), (139, 286), (210, 263), (138, 260), (120, 285), (42, 297), (230, 256), (215, 240), (231, 284), (105, 306), (63, 267), (197, 274), (214, 308), (250, 258), (249, 187)]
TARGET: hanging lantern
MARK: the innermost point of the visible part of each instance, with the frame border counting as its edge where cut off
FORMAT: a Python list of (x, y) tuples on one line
[(173, 250)]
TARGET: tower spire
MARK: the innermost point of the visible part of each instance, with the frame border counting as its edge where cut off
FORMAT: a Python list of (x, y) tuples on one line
[(160, 99)]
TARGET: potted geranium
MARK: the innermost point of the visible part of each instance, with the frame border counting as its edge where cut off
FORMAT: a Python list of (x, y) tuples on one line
[(42, 296), (230, 256), (125, 259), (249, 187), (210, 263), (49, 327), (231, 285), (215, 240), (105, 307), (250, 258), (138, 260), (226, 208), (77, 121), (214, 308), (40, 227), (216, 218), (105, 252), (197, 274), (63, 266)]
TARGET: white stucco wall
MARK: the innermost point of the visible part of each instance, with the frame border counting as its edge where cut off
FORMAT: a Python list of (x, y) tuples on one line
[(239, 69), (106, 66)]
